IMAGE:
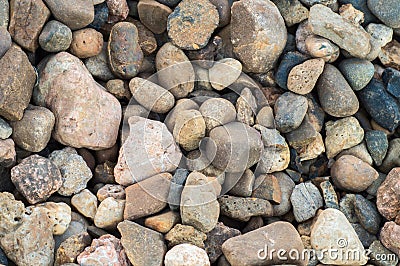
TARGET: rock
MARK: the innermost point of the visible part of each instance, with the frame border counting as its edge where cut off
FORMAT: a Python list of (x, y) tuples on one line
[(99, 66), (267, 187), (288, 62), (387, 199), (106, 249), (147, 197), (352, 174), (224, 11), (224, 72), (258, 34), (55, 37), (203, 18), (181, 105), (365, 237), (189, 129), (242, 209), (246, 107), (265, 117), (16, 83), (332, 230), (32, 242), (78, 225), (175, 72), (163, 155), (204, 57), (3, 257), (217, 112), (373, 188), (289, 110), (74, 171), (100, 16), (119, 88), (86, 43), (4, 13), (358, 72), (382, 33), (5, 42), (76, 15), (360, 151), (147, 41), (348, 36), (164, 222), (71, 248), (377, 144), (342, 134), (389, 237), (186, 255), (111, 190), (12, 212), (27, 34), (362, 6), (58, 213), (293, 12), (329, 195), (377, 250), (302, 78), (154, 15), (142, 245), (322, 48), (176, 187), (118, 10), (85, 202), (389, 55), (347, 207), (386, 11), (367, 214), (185, 234), (8, 155), (351, 14), (306, 200), (335, 94), (124, 52), (391, 78), (257, 243), (109, 213), (392, 159)]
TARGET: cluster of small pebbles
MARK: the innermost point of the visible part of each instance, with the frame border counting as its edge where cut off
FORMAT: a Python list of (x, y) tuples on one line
[(199, 132)]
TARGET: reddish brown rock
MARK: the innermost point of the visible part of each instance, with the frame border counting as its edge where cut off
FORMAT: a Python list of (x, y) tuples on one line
[(86, 43), (7, 153), (118, 10), (390, 237), (388, 195), (267, 187), (154, 15), (163, 222)]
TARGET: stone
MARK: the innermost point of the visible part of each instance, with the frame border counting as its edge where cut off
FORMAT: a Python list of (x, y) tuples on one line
[(367, 214), (104, 173), (389, 55), (4, 13), (238, 184), (358, 72), (246, 107), (143, 246), (175, 72), (203, 18), (181, 105), (33, 131), (387, 200), (306, 200), (100, 16), (124, 52), (293, 12), (119, 88), (362, 6), (147, 40), (217, 112), (352, 174), (386, 11), (289, 110), (5, 42), (109, 213), (224, 72), (389, 237), (288, 62), (377, 250), (99, 65), (322, 48), (76, 104), (78, 225), (12, 213), (391, 78), (154, 15), (111, 190), (329, 195), (382, 33), (377, 144), (163, 222), (186, 255), (71, 248), (185, 234), (36, 178), (59, 214), (348, 36), (189, 129), (302, 78), (373, 188), (360, 151), (74, 171), (258, 243), (332, 230), (342, 134), (118, 10), (267, 187), (8, 155), (147, 197), (392, 159), (86, 43), (335, 94), (352, 14), (258, 34), (27, 34), (85, 202), (16, 83), (76, 15), (176, 187), (243, 209), (265, 117), (365, 237), (3, 257), (224, 11), (55, 37)]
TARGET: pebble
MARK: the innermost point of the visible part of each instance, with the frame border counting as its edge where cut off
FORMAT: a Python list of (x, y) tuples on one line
[(336, 96), (302, 78), (86, 43), (5, 42), (8, 154), (302, 136), (391, 78), (100, 16), (360, 151), (266, 187), (147, 40), (253, 23), (358, 72), (389, 237), (99, 65), (181, 105), (377, 250), (387, 200), (111, 190), (292, 12), (176, 187), (290, 109), (322, 48), (186, 255), (75, 14), (342, 134), (347, 207), (118, 10), (55, 37), (265, 117), (389, 55), (329, 195), (288, 62), (204, 19), (242, 209), (71, 248), (377, 144), (109, 213), (386, 11), (217, 112), (332, 231), (185, 234), (154, 15), (352, 174), (224, 11), (85, 202), (362, 6), (147, 197), (59, 213), (246, 107), (124, 52), (373, 188), (189, 129), (78, 225), (352, 14), (365, 237), (224, 72), (163, 222), (4, 13), (12, 212), (143, 246), (3, 258), (382, 33), (306, 200), (391, 159), (367, 214)]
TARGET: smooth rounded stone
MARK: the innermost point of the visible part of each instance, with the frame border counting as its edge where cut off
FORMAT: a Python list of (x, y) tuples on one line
[(86, 43), (380, 32), (32, 242), (118, 10), (185, 234), (246, 107), (163, 222), (175, 72), (290, 110), (204, 19), (265, 117), (71, 248), (181, 105), (347, 207), (55, 37), (387, 199), (147, 197), (348, 36), (391, 159), (293, 12), (4, 13), (289, 61), (5, 40), (380, 105), (16, 83), (36, 178), (154, 15), (391, 78), (8, 154), (389, 237), (224, 11), (59, 213), (367, 214), (85, 202), (86, 115), (360, 151), (332, 231), (143, 246), (189, 129), (358, 72), (111, 190), (186, 255), (304, 32), (147, 41), (377, 251), (365, 237), (98, 65), (109, 213), (242, 209), (322, 48), (100, 16), (329, 195), (302, 78), (389, 55), (224, 72), (267, 187), (107, 249), (151, 96), (386, 11), (377, 144), (33, 131), (335, 94), (199, 206), (306, 200), (11, 213), (217, 112), (236, 147), (75, 14), (240, 185), (342, 134), (202, 79), (352, 174), (245, 249)]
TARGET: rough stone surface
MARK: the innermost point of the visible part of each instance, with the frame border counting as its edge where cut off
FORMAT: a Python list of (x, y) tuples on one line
[(111, 190), (290, 110), (360, 151), (266, 187), (186, 255), (85, 202), (387, 198), (185, 234), (4, 13), (176, 187), (86, 43), (59, 214), (391, 160), (329, 195), (8, 155), (12, 212), (377, 249), (71, 248), (109, 213), (243, 209), (389, 237), (386, 11), (189, 129), (377, 144), (118, 10), (288, 62), (6, 40), (367, 214), (389, 55), (163, 222), (55, 37), (306, 200), (302, 78)]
